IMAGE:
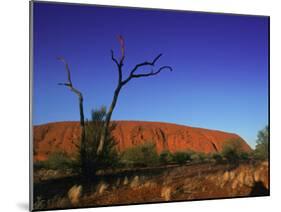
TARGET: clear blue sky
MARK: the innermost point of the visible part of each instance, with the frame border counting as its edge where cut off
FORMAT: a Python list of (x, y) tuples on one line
[(220, 62)]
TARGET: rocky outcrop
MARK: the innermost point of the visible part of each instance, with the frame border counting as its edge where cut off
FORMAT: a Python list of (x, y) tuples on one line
[(62, 136)]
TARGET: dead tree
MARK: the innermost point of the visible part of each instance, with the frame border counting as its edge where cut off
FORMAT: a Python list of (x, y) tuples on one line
[(121, 82), (69, 85)]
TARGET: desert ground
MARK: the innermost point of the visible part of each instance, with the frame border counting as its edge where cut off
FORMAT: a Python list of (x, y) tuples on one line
[(189, 180)]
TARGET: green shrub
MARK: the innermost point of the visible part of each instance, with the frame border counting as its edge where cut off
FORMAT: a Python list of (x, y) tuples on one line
[(198, 156), (217, 157), (202, 156), (57, 161), (231, 155), (181, 157), (194, 157), (141, 155), (93, 130), (261, 150), (244, 156), (165, 157), (232, 150)]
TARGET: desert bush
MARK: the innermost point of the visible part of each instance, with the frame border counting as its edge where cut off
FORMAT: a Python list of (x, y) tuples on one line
[(181, 157), (141, 155), (201, 156), (57, 161), (261, 150), (194, 157), (232, 150), (93, 129), (165, 157), (217, 158), (245, 156)]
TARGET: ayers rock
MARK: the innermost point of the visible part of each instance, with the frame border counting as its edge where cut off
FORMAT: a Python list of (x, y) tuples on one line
[(62, 136)]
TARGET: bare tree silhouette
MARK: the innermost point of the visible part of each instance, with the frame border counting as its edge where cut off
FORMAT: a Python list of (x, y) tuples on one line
[(69, 85), (121, 82)]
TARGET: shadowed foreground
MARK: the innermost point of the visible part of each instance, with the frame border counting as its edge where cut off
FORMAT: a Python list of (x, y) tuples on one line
[(186, 182)]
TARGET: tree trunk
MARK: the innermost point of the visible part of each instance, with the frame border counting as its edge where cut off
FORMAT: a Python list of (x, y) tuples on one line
[(121, 83), (82, 142), (81, 112), (107, 119)]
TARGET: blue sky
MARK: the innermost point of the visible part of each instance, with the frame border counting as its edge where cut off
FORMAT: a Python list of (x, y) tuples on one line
[(220, 63)]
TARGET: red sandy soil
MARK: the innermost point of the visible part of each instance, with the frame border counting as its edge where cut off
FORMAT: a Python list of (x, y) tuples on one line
[(62, 136)]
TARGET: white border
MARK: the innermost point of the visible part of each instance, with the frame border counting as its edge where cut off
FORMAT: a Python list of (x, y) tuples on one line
[(14, 87)]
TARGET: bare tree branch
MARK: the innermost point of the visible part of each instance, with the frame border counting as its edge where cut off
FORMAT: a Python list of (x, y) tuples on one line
[(67, 69), (113, 58), (121, 83), (73, 89), (122, 47), (65, 84), (81, 112), (119, 66), (69, 83), (146, 63), (152, 73)]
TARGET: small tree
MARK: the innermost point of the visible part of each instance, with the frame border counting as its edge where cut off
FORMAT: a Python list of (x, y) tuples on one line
[(245, 156), (198, 156), (181, 157), (60, 161), (217, 158), (165, 157), (232, 150), (261, 150), (123, 81), (79, 94), (93, 131), (141, 155)]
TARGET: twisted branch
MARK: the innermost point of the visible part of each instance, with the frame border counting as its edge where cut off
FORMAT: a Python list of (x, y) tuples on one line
[(69, 82), (69, 85), (151, 73), (121, 83), (122, 45)]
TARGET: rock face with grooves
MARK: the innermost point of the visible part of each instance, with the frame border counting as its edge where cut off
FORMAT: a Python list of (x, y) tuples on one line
[(62, 136)]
